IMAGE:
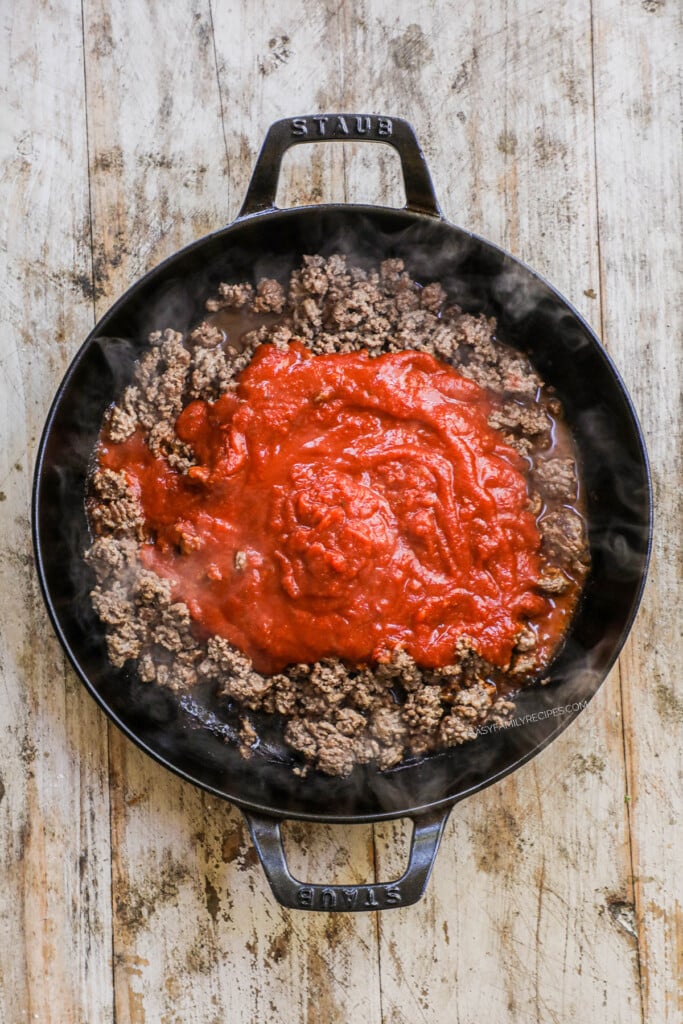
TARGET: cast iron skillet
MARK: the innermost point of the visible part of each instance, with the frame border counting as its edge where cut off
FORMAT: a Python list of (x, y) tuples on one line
[(189, 737)]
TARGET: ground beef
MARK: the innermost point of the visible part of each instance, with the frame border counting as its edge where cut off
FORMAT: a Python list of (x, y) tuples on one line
[(206, 335), (142, 621), (270, 297), (111, 557), (212, 373), (230, 296), (553, 581), (163, 441), (556, 478), (433, 297), (564, 536), (335, 716), (335, 751), (115, 511), (529, 421)]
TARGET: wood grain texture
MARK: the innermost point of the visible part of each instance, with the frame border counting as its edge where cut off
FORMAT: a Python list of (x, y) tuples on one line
[(521, 889), (638, 132), (55, 908), (189, 899), (129, 128)]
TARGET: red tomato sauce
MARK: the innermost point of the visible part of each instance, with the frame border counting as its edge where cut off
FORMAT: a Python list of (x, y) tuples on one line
[(344, 506)]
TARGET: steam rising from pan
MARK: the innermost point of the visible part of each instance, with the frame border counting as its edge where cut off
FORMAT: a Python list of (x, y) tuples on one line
[(190, 735)]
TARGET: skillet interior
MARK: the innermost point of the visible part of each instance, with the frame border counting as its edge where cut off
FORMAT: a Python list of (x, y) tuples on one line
[(479, 276)]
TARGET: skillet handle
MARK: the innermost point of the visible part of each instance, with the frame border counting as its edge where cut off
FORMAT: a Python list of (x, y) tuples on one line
[(292, 131), (427, 831)]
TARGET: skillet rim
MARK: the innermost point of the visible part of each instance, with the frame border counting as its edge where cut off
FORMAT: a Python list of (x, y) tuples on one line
[(411, 217)]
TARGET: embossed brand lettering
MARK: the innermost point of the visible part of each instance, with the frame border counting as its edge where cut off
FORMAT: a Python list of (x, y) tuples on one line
[(350, 896), (305, 896), (331, 898), (323, 126), (328, 899), (370, 900)]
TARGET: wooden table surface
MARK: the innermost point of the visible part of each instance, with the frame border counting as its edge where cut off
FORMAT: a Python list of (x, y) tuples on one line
[(130, 127)]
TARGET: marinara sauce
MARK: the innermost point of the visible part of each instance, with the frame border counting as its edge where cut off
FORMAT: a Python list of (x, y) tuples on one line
[(343, 506)]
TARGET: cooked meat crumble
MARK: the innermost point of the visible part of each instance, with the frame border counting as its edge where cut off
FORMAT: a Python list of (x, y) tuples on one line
[(336, 715)]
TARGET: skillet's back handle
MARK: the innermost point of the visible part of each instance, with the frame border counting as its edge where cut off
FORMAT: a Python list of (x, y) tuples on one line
[(292, 131), (427, 831)]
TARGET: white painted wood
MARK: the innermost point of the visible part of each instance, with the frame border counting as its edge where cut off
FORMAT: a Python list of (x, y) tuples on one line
[(547, 130), (55, 909), (638, 101), (207, 913)]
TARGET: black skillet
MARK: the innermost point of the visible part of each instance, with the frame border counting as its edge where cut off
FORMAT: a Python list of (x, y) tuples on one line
[(189, 737)]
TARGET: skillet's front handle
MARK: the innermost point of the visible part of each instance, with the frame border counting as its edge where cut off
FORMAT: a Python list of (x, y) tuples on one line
[(427, 831), (292, 131)]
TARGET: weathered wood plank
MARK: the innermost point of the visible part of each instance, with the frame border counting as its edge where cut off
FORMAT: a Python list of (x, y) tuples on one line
[(200, 933), (542, 905), (157, 163), (55, 908), (516, 923), (157, 156), (198, 936), (638, 99), (277, 77)]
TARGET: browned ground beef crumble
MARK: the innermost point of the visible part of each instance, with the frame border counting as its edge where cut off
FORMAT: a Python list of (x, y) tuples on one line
[(336, 716)]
